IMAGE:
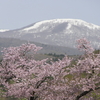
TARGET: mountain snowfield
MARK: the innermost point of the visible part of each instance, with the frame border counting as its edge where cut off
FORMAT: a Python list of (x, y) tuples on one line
[(62, 32), (3, 30), (54, 22)]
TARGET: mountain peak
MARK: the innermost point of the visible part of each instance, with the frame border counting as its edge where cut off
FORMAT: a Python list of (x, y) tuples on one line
[(54, 22)]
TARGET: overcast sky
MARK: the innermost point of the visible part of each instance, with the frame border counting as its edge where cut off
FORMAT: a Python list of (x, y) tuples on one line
[(16, 14)]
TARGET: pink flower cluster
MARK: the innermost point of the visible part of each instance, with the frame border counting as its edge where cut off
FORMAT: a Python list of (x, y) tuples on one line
[(84, 45), (22, 76)]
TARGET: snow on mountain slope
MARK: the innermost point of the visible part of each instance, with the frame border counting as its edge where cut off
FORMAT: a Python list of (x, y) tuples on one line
[(3, 30), (62, 32), (54, 22)]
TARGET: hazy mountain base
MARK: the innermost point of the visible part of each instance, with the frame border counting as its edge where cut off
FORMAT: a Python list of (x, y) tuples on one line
[(8, 42)]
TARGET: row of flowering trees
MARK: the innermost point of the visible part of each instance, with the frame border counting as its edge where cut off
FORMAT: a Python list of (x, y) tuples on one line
[(21, 76)]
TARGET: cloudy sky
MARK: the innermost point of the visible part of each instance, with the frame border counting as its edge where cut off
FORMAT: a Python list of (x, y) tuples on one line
[(16, 14)]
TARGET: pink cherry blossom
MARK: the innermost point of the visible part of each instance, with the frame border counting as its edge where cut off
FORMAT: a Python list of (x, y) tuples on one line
[(22, 76)]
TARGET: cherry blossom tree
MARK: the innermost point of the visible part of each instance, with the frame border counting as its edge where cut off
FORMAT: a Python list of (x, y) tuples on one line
[(21, 76)]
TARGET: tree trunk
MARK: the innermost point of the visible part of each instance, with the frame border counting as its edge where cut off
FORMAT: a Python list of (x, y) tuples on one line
[(33, 98), (85, 93)]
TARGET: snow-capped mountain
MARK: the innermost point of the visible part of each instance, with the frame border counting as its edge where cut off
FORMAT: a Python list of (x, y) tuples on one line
[(62, 32)]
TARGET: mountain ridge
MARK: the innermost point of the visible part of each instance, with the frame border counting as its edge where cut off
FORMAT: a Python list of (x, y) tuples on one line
[(61, 32)]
